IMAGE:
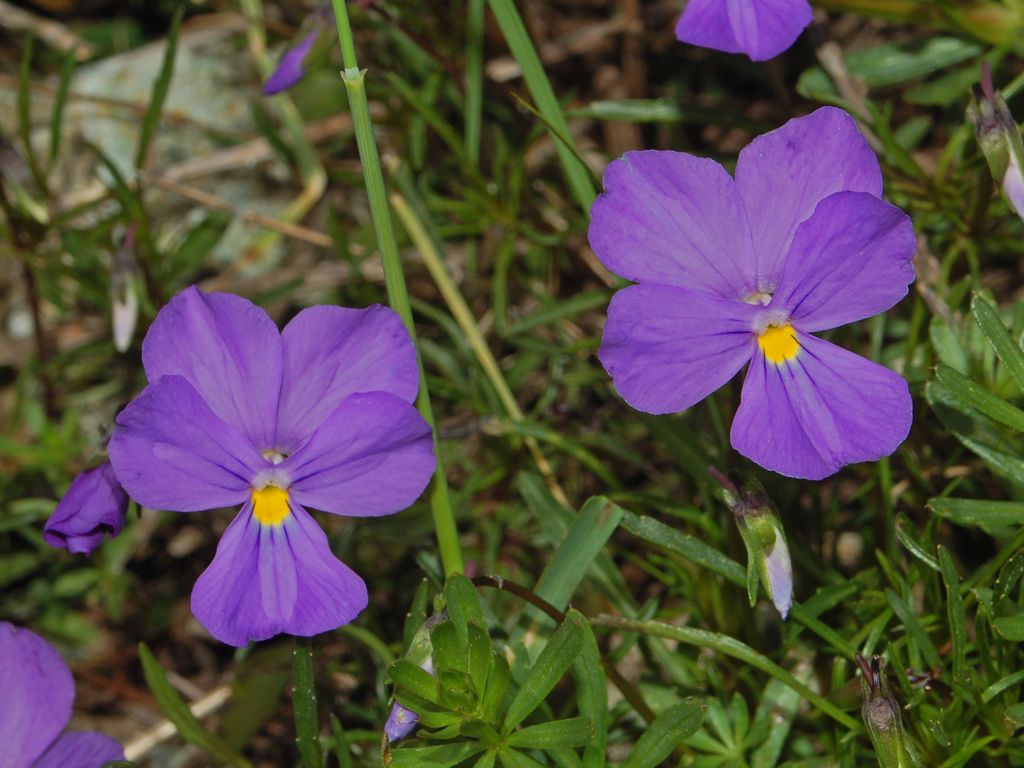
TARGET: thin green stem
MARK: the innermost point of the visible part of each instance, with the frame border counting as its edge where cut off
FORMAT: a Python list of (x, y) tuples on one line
[(464, 317), (474, 78), (730, 647), (394, 278)]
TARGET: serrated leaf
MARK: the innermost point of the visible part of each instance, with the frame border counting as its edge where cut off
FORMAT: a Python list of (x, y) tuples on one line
[(671, 727)]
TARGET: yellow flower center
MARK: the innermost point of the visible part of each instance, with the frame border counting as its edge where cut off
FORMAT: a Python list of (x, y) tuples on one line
[(270, 505), (779, 344)]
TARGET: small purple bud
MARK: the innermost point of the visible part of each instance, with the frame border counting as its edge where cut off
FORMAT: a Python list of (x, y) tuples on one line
[(94, 505), (401, 722), (290, 69), (761, 528)]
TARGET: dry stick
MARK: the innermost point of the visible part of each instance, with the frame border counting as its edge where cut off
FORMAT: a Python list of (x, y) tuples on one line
[(53, 33), (464, 317), (165, 729), (631, 694), (251, 217)]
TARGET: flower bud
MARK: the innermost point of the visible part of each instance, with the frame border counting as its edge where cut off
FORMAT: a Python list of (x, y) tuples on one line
[(124, 299), (1000, 139), (402, 721), (94, 505), (881, 715), (762, 532), (315, 37)]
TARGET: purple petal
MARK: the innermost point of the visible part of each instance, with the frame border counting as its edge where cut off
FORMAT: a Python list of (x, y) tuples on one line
[(822, 409), (291, 67), (80, 749), (852, 259), (373, 456), (670, 217), (1013, 185), (400, 723), (37, 693), (762, 29), (667, 348), (170, 451), (333, 352), (706, 23), (784, 174), (268, 579), (94, 505), (229, 350)]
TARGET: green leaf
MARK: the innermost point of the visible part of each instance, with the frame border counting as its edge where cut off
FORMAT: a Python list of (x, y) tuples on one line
[(1006, 348), (175, 710), (690, 547), (304, 709), (1011, 627), (975, 396), (442, 756), (480, 657), (448, 652), (414, 679), (463, 604), (904, 530), (981, 512), (195, 248), (160, 88), (1015, 714), (916, 632), (342, 751), (536, 78), (510, 758), (592, 696), (955, 611), (575, 732), (666, 732), (890, 64), (57, 116), (559, 653), (592, 528), (497, 684)]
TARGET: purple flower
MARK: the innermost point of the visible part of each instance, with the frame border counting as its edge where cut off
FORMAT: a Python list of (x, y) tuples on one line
[(732, 271), (35, 707), (292, 66), (762, 29), (94, 505), (238, 413)]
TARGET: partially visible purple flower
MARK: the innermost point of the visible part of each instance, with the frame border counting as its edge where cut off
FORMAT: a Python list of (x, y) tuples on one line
[(95, 505), (762, 29), (292, 66), (237, 413), (402, 721), (732, 271), (36, 694), (1000, 139)]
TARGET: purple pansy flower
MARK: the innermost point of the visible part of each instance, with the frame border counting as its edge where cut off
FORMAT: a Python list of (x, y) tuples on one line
[(35, 706), (745, 269), (94, 505), (762, 29), (318, 415)]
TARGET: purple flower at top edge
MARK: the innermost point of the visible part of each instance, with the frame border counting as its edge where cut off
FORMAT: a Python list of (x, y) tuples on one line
[(731, 271), (94, 505), (35, 706), (292, 66), (237, 413), (762, 29)]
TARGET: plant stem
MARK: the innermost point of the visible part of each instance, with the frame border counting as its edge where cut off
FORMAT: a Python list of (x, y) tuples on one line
[(394, 278), (730, 647)]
